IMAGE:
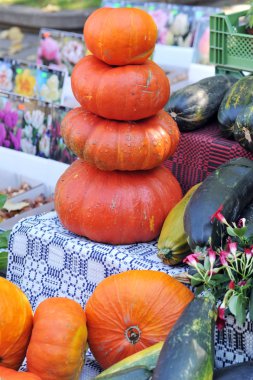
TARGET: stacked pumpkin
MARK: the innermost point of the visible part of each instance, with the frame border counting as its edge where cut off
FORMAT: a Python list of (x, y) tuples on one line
[(118, 192)]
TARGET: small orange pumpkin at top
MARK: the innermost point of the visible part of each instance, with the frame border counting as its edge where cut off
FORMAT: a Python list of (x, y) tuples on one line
[(11, 374), (59, 340), (120, 36), (16, 322), (131, 311)]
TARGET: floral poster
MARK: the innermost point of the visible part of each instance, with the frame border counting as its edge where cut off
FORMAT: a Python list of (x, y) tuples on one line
[(31, 81), (177, 24), (32, 127), (60, 50), (58, 149), (11, 115)]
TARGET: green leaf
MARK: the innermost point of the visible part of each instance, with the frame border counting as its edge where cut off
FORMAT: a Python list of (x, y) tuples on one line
[(207, 263), (231, 232), (240, 231), (4, 238), (251, 305), (3, 198), (233, 304), (220, 278), (3, 260), (196, 280), (237, 306)]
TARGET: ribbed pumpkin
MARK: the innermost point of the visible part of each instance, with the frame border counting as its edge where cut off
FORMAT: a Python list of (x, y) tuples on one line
[(115, 207), (11, 374), (131, 311), (118, 145), (120, 36), (16, 322), (129, 92), (58, 342)]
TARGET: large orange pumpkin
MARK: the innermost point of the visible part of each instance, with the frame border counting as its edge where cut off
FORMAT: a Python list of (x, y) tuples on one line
[(119, 145), (16, 322), (120, 36), (131, 311), (10, 374), (129, 92), (115, 207), (58, 342)]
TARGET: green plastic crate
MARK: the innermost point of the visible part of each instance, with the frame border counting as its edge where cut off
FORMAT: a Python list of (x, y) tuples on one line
[(231, 49)]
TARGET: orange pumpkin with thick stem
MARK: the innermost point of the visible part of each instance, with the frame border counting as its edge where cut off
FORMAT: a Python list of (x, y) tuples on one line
[(58, 342), (131, 311), (129, 92), (120, 36), (115, 207), (16, 322), (11, 374), (119, 145)]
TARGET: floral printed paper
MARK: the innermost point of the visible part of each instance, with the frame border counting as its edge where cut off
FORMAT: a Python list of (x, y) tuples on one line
[(176, 24), (32, 127), (31, 80), (61, 50)]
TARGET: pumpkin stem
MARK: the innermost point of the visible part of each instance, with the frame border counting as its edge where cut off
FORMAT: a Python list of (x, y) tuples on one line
[(133, 334)]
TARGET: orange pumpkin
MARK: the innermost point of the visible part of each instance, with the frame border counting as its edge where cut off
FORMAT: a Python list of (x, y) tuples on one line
[(120, 36), (115, 207), (10, 374), (16, 322), (58, 342), (131, 311), (119, 145), (129, 92)]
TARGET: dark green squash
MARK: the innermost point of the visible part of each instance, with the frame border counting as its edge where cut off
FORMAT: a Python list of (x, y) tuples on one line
[(194, 105), (233, 103), (188, 353), (243, 128), (230, 185), (242, 371)]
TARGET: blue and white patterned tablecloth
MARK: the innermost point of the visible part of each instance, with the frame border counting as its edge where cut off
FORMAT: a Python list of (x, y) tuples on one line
[(46, 260)]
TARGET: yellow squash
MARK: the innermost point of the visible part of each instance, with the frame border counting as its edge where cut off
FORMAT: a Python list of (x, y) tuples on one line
[(139, 364), (172, 242)]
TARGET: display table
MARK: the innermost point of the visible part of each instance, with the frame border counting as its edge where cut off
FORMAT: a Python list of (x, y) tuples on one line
[(46, 261), (200, 152)]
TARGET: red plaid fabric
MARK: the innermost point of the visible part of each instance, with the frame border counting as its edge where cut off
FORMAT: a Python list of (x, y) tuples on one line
[(200, 152)]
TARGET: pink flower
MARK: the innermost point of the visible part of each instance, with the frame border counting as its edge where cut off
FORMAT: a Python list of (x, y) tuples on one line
[(241, 223), (2, 134), (220, 322), (233, 248), (192, 259), (212, 256), (219, 216), (223, 257), (231, 285), (248, 252), (242, 283), (49, 50)]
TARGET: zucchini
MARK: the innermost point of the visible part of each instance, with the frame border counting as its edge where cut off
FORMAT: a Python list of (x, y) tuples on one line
[(242, 371), (243, 128), (146, 359), (188, 353), (172, 242), (235, 100), (230, 185), (194, 105)]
